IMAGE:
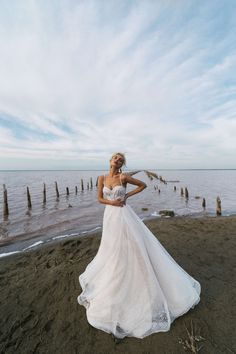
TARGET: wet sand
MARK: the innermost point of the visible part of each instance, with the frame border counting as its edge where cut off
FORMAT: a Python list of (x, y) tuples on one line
[(39, 289)]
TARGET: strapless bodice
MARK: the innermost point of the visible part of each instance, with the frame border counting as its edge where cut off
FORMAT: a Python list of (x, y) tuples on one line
[(118, 192)]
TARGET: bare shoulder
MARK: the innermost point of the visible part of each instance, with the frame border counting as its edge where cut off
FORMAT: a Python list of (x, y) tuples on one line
[(100, 179), (124, 177), (129, 179)]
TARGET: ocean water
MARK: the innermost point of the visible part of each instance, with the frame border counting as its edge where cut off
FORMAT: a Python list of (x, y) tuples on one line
[(79, 214)]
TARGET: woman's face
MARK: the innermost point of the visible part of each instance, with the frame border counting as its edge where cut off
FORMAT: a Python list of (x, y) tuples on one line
[(117, 161)]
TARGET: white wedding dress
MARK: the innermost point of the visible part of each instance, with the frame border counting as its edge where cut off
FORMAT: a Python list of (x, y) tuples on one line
[(133, 287)]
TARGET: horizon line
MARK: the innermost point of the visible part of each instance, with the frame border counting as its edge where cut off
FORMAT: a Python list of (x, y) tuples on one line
[(133, 169)]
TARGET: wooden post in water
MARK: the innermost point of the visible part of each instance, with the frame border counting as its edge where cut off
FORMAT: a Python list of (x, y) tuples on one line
[(97, 182), (181, 192), (91, 183), (29, 198), (44, 193), (186, 193), (67, 191), (76, 190), (87, 185), (159, 191), (82, 184), (5, 202), (57, 191), (204, 203), (218, 206), (175, 188)]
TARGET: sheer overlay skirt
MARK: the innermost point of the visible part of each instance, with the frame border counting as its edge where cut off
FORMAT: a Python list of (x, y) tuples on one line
[(133, 287)]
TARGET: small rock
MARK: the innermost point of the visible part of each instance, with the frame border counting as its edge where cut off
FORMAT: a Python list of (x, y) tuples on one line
[(69, 206), (197, 197), (167, 212), (144, 209)]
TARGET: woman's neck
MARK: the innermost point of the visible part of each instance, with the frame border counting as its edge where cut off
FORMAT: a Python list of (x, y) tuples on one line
[(113, 171)]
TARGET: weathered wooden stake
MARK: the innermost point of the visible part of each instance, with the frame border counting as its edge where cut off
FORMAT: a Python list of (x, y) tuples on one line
[(87, 185), (44, 193), (91, 183), (67, 191), (175, 188), (29, 198), (57, 191), (5, 202), (97, 182), (76, 190), (218, 206), (204, 203), (82, 184), (181, 192), (159, 191), (186, 193)]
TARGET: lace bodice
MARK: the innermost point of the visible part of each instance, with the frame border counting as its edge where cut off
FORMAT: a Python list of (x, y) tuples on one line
[(117, 192)]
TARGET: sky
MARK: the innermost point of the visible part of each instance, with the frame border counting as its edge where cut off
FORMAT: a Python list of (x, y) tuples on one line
[(80, 80)]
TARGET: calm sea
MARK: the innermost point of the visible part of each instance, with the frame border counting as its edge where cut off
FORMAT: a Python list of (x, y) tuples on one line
[(79, 214)]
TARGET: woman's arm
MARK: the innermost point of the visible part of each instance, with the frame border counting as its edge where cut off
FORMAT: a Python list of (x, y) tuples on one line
[(141, 185), (100, 195)]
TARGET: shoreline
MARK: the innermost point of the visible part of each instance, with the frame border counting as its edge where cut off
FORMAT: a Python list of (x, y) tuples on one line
[(39, 292), (34, 240)]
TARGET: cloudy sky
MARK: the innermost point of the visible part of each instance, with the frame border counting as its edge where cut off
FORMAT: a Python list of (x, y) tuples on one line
[(80, 80)]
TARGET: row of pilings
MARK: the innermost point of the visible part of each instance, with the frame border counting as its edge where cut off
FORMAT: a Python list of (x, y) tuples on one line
[(89, 186), (183, 191)]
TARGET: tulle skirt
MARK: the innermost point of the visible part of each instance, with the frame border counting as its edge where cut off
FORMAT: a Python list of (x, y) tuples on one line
[(133, 287)]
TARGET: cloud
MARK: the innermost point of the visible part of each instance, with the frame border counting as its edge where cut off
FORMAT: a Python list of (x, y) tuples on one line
[(80, 80)]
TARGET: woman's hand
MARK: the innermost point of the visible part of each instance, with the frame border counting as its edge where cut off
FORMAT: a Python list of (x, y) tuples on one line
[(118, 202)]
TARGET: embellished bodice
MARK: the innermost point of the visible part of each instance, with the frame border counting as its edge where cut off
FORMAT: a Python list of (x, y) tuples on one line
[(117, 192)]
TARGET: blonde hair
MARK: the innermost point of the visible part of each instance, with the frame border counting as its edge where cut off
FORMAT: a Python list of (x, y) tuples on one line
[(122, 155)]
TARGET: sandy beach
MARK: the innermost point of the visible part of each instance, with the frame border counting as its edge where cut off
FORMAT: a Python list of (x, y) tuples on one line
[(39, 289)]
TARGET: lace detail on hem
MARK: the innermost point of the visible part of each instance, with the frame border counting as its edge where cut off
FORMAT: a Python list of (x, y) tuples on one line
[(160, 323)]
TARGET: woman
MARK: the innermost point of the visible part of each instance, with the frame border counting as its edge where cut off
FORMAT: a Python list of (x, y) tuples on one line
[(132, 287)]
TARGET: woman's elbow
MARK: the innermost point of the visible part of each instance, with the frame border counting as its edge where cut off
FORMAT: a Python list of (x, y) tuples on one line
[(100, 199)]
